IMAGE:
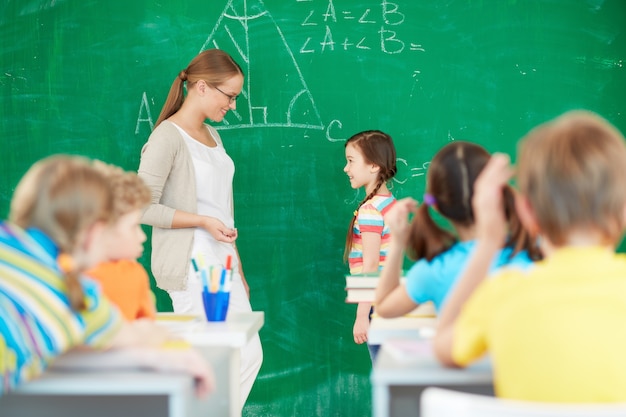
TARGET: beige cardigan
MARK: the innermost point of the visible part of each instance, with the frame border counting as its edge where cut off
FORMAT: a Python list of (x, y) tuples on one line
[(166, 166)]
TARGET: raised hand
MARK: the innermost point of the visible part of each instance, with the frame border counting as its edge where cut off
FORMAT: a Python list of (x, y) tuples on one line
[(397, 218), (488, 200)]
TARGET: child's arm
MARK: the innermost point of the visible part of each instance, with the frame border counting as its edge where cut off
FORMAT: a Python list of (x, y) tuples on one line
[(371, 257), (392, 300), (140, 342), (163, 359), (491, 232), (139, 333)]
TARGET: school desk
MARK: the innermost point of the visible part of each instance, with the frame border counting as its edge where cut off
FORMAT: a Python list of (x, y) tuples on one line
[(233, 334), (406, 327), (128, 392), (419, 323), (405, 367), (136, 392)]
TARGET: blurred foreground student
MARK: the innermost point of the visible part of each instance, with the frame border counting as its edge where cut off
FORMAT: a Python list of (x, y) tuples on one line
[(58, 224), (123, 280), (370, 164), (555, 332), (440, 255)]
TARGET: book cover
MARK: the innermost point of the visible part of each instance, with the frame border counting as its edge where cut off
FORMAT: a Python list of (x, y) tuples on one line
[(360, 295), (366, 280)]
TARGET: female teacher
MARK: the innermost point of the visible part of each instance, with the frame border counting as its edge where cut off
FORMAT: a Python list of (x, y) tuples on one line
[(191, 177)]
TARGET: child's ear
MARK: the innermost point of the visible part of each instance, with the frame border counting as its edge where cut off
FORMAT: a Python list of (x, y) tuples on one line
[(374, 169), (526, 214), (93, 244)]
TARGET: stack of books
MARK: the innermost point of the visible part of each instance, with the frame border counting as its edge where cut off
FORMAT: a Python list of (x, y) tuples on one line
[(361, 288), (417, 324)]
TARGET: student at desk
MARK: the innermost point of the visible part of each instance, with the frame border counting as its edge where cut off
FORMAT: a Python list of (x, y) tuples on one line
[(58, 228), (123, 280), (439, 254), (555, 332)]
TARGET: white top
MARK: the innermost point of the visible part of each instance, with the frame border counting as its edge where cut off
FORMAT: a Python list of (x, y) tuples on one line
[(214, 178), (214, 175)]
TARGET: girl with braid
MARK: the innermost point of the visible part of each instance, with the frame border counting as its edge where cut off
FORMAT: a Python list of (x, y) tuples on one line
[(371, 163), (439, 254)]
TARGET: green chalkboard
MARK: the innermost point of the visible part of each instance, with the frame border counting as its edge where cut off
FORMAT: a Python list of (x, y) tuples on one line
[(90, 77)]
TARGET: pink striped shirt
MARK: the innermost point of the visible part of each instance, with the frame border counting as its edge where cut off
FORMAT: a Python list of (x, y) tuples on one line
[(370, 220)]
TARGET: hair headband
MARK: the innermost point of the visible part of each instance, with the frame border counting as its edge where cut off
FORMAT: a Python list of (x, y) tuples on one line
[(429, 200)]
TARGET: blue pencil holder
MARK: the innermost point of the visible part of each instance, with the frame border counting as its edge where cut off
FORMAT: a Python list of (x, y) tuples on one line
[(215, 305)]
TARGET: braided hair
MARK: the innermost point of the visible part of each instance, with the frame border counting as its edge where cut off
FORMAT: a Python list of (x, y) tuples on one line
[(377, 148)]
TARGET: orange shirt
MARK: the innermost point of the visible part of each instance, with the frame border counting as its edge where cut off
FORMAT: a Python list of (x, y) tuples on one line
[(126, 284)]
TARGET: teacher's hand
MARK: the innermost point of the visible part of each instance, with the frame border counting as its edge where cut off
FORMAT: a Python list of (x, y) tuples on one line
[(218, 230)]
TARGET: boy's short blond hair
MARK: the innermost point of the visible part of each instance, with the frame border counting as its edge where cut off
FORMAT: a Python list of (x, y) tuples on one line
[(573, 172), (130, 192)]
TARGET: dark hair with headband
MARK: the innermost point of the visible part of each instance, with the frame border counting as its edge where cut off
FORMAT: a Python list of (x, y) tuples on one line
[(450, 188)]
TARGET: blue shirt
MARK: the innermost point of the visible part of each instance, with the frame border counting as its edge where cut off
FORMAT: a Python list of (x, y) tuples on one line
[(433, 280)]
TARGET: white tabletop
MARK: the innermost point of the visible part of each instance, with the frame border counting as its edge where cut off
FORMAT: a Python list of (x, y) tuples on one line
[(407, 327), (236, 331), (412, 362), (102, 382), (118, 392)]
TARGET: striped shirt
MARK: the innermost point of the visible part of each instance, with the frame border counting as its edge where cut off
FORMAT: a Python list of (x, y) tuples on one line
[(369, 219), (38, 323)]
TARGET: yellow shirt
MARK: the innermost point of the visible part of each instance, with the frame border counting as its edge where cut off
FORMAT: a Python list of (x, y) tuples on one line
[(555, 333)]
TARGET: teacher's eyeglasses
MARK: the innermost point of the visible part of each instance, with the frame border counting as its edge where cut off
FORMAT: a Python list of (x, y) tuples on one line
[(231, 99)]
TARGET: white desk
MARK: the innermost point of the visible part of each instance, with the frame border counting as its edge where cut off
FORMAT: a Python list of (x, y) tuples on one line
[(419, 323), (232, 334), (236, 331), (100, 394), (397, 382), (407, 327), (128, 392), (143, 393)]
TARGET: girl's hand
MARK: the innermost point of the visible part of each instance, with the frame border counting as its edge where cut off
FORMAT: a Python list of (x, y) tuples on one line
[(397, 218), (218, 230), (141, 332), (488, 200), (175, 356), (359, 331), (186, 360)]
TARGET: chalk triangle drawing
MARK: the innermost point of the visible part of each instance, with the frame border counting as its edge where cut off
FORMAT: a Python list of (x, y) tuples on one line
[(281, 98)]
